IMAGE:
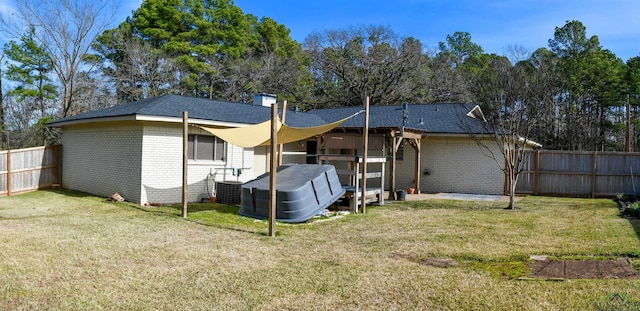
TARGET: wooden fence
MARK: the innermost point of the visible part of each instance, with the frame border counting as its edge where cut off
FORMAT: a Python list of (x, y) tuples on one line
[(29, 169), (580, 174)]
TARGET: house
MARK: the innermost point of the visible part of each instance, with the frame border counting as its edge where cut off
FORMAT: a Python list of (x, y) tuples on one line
[(449, 159), (135, 149)]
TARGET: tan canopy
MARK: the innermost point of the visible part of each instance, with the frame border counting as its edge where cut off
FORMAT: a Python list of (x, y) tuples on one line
[(260, 134)]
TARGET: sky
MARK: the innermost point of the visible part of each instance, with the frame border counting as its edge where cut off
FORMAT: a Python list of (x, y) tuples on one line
[(496, 25)]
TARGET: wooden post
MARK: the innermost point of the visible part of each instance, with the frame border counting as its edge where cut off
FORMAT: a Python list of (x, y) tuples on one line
[(8, 172), (281, 146), (594, 167), (536, 173), (273, 170), (392, 183), (417, 173), (365, 154), (60, 166), (185, 160)]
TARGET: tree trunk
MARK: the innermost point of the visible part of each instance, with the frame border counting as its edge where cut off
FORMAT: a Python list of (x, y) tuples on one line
[(512, 186)]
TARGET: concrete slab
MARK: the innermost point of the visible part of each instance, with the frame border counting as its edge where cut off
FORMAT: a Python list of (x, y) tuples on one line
[(459, 196)]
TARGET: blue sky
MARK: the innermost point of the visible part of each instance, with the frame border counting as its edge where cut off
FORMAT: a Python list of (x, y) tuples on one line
[(493, 24)]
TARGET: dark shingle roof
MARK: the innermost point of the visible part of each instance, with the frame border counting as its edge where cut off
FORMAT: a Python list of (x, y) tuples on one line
[(436, 118), (198, 108), (446, 118)]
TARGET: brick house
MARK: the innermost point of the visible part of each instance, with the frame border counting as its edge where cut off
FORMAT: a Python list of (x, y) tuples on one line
[(135, 149), (450, 160)]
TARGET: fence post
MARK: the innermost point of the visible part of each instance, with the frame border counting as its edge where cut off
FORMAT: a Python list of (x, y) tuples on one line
[(594, 167), (59, 168), (536, 172), (8, 172)]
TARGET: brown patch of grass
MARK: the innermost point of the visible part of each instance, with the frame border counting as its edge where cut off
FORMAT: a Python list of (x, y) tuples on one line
[(63, 250)]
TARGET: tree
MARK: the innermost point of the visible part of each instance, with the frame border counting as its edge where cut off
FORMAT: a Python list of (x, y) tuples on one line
[(350, 64), (134, 67), (592, 80), (211, 48), (632, 79), (65, 29), (3, 125), (30, 66), (454, 67), (458, 49), (547, 86), (512, 108)]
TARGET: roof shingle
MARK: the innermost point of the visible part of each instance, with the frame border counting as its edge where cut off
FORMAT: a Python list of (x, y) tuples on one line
[(446, 118), (449, 118), (198, 108)]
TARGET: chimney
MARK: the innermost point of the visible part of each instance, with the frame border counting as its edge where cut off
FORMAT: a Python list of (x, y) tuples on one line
[(264, 99)]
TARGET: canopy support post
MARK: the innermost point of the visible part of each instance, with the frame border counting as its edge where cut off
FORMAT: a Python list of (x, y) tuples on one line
[(365, 155), (185, 160), (273, 170)]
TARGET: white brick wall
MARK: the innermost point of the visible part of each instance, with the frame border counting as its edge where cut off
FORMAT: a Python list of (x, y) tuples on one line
[(454, 164), (162, 167), (143, 162), (103, 159)]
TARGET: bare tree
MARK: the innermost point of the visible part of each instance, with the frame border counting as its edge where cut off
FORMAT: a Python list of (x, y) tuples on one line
[(447, 84), (134, 68), (21, 130), (512, 111), (350, 64), (66, 29)]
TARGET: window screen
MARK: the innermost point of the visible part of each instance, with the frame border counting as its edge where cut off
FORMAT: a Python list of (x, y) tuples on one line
[(206, 148)]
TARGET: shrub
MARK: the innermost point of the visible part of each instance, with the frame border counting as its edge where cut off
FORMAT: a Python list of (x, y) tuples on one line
[(632, 210)]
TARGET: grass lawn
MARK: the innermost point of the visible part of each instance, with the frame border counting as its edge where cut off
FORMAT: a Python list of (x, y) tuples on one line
[(69, 251)]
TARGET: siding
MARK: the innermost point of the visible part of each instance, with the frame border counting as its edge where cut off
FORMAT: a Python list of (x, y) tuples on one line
[(454, 165), (103, 159)]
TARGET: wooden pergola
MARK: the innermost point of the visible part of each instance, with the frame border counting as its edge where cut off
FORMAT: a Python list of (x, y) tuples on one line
[(348, 138), (413, 137)]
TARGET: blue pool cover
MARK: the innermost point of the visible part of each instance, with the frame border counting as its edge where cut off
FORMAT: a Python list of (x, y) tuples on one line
[(302, 191)]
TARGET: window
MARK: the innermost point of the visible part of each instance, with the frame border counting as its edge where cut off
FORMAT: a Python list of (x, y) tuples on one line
[(206, 148), (312, 152)]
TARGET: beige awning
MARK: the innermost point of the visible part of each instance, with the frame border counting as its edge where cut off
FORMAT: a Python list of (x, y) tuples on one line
[(260, 134)]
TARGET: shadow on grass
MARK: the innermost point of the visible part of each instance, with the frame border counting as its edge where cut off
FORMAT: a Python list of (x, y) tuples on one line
[(70, 193), (215, 215)]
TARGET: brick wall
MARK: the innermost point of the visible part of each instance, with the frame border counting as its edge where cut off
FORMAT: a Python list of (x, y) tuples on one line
[(143, 162), (103, 159), (162, 166), (454, 165)]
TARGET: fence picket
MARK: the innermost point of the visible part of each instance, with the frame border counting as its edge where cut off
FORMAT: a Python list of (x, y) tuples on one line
[(29, 169), (579, 173)]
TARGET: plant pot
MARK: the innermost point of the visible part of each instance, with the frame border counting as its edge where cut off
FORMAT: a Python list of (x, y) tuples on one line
[(411, 190), (212, 199)]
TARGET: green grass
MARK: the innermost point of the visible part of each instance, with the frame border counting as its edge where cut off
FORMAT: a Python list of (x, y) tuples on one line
[(69, 251)]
